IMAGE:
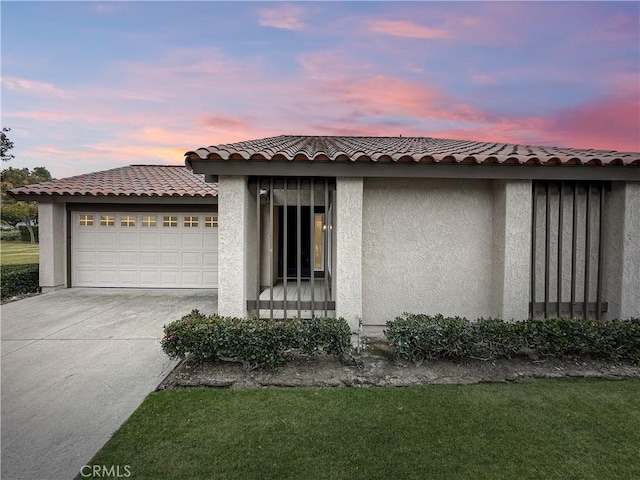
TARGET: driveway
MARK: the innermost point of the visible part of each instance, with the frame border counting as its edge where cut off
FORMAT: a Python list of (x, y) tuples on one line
[(75, 364)]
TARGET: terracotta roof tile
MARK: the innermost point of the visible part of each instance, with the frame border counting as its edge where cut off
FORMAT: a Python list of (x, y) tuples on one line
[(131, 181), (407, 149)]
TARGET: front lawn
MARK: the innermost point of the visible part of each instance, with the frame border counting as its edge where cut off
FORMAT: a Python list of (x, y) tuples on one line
[(18, 253), (543, 429)]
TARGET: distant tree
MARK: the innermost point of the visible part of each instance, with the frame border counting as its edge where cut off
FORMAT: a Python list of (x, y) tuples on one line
[(14, 213), (19, 177), (6, 145)]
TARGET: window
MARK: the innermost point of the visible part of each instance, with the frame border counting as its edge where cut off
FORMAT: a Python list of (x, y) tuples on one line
[(190, 221), (211, 222), (86, 220), (128, 221), (149, 221), (107, 220), (170, 221)]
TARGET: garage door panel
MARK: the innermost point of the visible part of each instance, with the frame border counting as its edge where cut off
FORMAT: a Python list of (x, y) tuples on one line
[(127, 278), (149, 278), (149, 240), (209, 259), (85, 259), (169, 240), (106, 239), (169, 278), (191, 279), (170, 259), (128, 259), (106, 259), (210, 277), (149, 259), (86, 239), (87, 277), (128, 239), (191, 240), (191, 259), (106, 277), (140, 253)]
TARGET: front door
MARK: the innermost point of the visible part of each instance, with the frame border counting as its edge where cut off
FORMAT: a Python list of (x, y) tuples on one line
[(309, 254)]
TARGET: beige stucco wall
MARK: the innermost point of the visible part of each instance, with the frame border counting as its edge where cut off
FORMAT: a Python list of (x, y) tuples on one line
[(236, 244), (53, 245), (427, 248), (621, 283)]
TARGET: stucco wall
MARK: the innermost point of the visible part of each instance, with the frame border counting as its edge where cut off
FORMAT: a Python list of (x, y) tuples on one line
[(621, 282), (53, 245), (233, 238), (427, 248)]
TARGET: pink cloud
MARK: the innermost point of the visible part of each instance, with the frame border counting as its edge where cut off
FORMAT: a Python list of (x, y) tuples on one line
[(285, 16), (610, 123), (34, 87), (400, 28), (43, 116)]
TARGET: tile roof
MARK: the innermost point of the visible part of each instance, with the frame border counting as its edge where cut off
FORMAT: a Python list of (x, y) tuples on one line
[(406, 149), (131, 181)]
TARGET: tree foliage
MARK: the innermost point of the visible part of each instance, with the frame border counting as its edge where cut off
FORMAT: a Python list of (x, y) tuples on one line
[(12, 212), (19, 177), (7, 145)]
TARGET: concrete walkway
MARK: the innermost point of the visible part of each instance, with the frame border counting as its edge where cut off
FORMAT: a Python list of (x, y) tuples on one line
[(75, 364)]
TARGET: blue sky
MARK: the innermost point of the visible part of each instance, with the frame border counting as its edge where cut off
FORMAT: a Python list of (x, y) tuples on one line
[(88, 86)]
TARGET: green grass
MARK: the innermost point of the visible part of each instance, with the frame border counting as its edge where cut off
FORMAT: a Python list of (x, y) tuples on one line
[(570, 429), (18, 253)]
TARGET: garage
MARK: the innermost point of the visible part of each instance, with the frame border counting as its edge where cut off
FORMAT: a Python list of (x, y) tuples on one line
[(144, 249)]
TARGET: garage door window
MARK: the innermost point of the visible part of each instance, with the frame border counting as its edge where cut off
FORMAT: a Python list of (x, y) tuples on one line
[(190, 221), (86, 220), (127, 221), (170, 221), (107, 221), (211, 222), (149, 221)]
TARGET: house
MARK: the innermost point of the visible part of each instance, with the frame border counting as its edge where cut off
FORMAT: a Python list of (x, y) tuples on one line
[(360, 227)]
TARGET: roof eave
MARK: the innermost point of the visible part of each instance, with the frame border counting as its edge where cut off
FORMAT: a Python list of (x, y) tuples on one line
[(414, 169)]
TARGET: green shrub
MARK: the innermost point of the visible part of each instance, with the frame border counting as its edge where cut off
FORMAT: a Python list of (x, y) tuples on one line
[(25, 236), (420, 337), (19, 279), (10, 235), (254, 342)]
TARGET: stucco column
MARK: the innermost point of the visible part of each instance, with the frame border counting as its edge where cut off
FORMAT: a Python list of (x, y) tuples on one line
[(348, 281), (52, 228), (622, 251), (512, 246), (233, 245)]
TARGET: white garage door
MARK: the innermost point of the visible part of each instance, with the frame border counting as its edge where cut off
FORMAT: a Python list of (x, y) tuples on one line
[(125, 249)]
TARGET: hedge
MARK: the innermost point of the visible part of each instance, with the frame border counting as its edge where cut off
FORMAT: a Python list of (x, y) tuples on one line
[(421, 337), (253, 342), (25, 236), (19, 279)]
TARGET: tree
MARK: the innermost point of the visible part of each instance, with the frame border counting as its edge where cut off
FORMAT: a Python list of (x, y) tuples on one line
[(16, 212), (19, 177), (6, 145), (12, 212)]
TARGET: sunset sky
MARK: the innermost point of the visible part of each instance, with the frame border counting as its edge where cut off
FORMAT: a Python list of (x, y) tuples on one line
[(89, 86)]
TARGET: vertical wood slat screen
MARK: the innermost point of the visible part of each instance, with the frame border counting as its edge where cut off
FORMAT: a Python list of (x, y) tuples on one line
[(567, 249), (286, 192)]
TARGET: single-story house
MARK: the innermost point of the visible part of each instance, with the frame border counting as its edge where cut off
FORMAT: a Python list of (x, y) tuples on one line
[(360, 227)]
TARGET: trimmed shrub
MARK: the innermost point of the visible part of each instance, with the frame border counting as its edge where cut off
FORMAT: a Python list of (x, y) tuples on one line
[(421, 337), (19, 279), (253, 342)]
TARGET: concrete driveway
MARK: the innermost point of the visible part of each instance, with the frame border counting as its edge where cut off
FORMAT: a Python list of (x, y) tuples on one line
[(75, 364)]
